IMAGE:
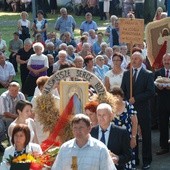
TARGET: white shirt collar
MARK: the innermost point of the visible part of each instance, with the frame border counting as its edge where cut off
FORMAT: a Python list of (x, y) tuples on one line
[(137, 68), (108, 128)]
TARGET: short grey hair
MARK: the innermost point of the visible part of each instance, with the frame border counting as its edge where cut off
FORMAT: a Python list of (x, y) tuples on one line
[(70, 47), (78, 57), (138, 54), (14, 84), (103, 44), (27, 41), (62, 52), (67, 33), (63, 9), (123, 46), (85, 44), (104, 106), (98, 56), (50, 44), (62, 44), (113, 17), (108, 48), (85, 33), (91, 30), (88, 14)]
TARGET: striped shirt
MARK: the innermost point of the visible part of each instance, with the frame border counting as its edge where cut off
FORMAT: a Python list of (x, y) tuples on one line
[(37, 62), (9, 102), (6, 71)]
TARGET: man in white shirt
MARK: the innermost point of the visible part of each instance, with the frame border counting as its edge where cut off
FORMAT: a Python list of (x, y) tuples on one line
[(7, 72), (88, 152)]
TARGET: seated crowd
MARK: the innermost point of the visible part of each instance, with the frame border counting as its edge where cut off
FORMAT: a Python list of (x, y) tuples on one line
[(109, 60)]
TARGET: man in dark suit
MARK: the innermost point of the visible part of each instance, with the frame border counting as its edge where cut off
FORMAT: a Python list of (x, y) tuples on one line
[(164, 105), (115, 138), (143, 90)]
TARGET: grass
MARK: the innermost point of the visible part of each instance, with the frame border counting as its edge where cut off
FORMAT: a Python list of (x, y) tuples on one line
[(9, 23)]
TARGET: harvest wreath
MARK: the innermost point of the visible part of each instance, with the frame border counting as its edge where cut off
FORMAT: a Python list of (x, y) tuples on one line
[(59, 124)]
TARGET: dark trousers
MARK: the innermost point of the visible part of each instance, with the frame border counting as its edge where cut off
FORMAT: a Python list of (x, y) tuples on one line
[(92, 10), (23, 37), (2, 130), (139, 10), (101, 13), (29, 85), (82, 10), (23, 73), (12, 59), (154, 111), (145, 124), (43, 5), (114, 8), (5, 5), (164, 115)]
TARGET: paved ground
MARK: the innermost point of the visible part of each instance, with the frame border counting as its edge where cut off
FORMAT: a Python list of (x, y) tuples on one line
[(159, 162)]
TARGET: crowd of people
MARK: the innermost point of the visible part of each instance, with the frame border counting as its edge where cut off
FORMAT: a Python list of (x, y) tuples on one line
[(42, 54)]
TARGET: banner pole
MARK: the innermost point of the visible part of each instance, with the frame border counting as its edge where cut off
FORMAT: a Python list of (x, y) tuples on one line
[(131, 74)]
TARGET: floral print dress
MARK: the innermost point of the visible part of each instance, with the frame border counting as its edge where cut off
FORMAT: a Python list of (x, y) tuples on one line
[(124, 120)]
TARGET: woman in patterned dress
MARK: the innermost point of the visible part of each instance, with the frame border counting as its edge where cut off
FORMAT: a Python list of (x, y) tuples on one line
[(126, 117), (40, 25)]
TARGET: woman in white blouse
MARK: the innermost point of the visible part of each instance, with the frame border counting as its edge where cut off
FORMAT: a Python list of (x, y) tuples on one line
[(24, 26), (114, 77), (20, 145), (24, 111)]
